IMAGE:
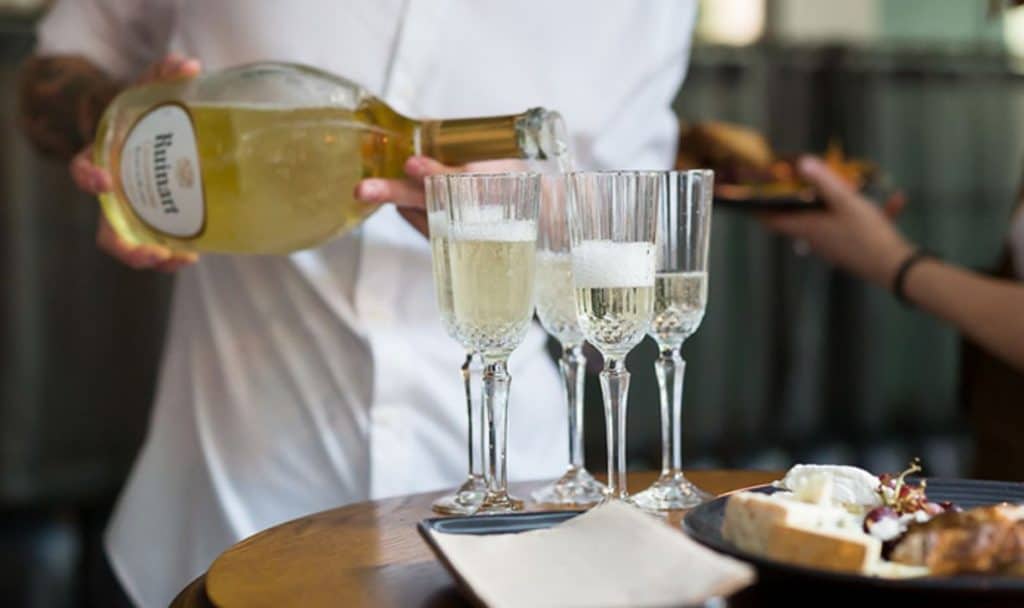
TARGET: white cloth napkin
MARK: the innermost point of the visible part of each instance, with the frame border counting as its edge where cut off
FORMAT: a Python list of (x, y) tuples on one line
[(613, 555)]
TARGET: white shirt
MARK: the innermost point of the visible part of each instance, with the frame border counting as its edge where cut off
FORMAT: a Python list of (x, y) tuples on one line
[(300, 383)]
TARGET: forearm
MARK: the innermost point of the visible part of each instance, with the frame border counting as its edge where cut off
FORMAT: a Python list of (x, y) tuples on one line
[(989, 311), (61, 99)]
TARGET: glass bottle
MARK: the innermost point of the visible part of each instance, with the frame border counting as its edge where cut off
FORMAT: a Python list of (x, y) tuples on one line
[(265, 158)]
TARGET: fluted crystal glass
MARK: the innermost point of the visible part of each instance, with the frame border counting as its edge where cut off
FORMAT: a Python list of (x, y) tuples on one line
[(466, 499), (556, 308), (680, 299), (612, 225), (492, 220)]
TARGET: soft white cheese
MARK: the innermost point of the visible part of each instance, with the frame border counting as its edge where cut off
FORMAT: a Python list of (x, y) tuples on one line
[(849, 487), (816, 489)]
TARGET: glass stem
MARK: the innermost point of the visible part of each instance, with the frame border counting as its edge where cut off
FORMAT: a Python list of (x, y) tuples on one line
[(615, 386), (496, 386), (474, 412), (573, 365), (670, 368)]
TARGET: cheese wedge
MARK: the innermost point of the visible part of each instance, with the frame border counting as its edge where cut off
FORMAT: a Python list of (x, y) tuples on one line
[(784, 529)]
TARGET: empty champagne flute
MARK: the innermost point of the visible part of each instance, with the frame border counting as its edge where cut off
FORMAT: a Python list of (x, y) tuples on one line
[(613, 224), (680, 298), (467, 498), (556, 308), (492, 240)]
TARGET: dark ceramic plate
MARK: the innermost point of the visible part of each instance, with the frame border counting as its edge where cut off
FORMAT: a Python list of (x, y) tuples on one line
[(752, 199), (704, 524), (767, 203)]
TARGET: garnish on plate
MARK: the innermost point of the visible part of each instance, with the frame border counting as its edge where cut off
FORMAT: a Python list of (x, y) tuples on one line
[(903, 503), (748, 169)]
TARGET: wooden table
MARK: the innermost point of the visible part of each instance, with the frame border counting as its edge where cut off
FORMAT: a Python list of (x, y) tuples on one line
[(366, 554)]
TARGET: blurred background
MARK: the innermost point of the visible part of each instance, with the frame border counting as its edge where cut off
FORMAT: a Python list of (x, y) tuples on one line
[(794, 362)]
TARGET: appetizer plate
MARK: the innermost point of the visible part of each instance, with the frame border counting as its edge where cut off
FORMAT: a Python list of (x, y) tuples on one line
[(747, 198), (740, 197), (704, 524)]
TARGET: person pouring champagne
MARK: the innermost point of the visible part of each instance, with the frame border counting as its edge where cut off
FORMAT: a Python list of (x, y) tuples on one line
[(293, 384)]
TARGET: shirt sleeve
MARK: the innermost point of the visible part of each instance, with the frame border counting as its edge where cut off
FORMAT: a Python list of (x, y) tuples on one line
[(120, 36)]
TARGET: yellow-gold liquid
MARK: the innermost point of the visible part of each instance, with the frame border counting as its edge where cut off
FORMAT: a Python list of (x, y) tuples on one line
[(492, 293), (615, 319), (274, 179)]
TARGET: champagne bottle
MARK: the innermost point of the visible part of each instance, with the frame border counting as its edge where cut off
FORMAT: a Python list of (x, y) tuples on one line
[(265, 158)]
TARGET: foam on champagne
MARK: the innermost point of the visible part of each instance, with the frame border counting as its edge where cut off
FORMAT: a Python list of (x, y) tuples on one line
[(603, 264), (437, 223), (507, 231)]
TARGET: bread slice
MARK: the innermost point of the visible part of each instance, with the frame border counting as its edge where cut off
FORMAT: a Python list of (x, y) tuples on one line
[(781, 528)]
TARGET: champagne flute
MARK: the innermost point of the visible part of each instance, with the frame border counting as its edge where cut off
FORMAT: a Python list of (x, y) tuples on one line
[(680, 297), (613, 224), (492, 220), (467, 498), (556, 308)]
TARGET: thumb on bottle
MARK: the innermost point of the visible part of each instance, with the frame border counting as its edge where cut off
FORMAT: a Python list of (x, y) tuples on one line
[(418, 167), (188, 68), (87, 176)]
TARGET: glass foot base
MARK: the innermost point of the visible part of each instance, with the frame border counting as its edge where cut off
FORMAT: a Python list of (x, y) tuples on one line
[(465, 501), (671, 492), (576, 488), (499, 503)]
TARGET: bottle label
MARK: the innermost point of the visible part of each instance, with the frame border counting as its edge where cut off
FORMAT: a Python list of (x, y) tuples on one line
[(160, 172)]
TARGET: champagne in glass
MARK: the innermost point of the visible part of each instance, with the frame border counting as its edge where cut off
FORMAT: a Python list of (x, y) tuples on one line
[(437, 223), (613, 222), (492, 267), (681, 293), (492, 249), (467, 498), (614, 293), (679, 302), (556, 308), (556, 302)]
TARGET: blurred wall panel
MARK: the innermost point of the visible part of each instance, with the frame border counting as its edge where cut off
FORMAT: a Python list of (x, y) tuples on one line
[(81, 335), (794, 360), (803, 20)]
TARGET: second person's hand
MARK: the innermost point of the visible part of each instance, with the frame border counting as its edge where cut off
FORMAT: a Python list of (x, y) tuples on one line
[(851, 232)]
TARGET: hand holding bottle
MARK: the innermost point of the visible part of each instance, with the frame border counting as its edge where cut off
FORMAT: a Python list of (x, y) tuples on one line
[(407, 194), (94, 180)]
